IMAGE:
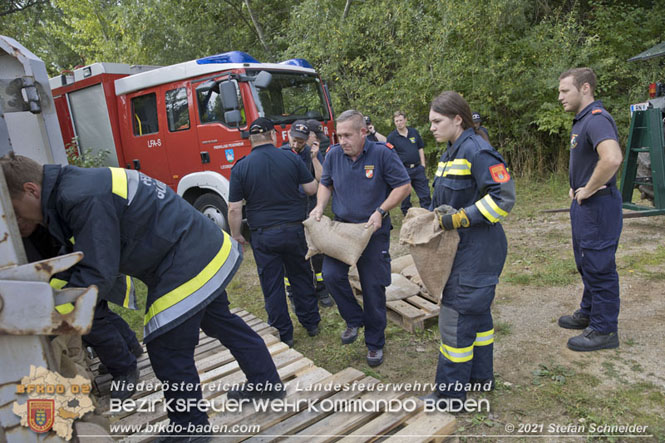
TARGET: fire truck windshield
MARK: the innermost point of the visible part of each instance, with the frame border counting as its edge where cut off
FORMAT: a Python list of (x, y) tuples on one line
[(292, 96)]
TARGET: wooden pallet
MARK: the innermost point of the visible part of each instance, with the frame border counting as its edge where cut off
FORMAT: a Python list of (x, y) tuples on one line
[(409, 313), (301, 423)]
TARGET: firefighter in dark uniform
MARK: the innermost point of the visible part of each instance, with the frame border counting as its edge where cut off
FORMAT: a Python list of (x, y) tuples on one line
[(473, 192), (303, 142), (372, 134), (126, 222), (366, 180), (268, 181), (478, 124), (410, 147), (112, 339), (595, 212)]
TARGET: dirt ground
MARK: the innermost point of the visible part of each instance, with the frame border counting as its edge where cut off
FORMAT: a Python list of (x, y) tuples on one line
[(533, 312), (539, 380), (530, 346)]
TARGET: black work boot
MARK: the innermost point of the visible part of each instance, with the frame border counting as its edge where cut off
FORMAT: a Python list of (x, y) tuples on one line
[(576, 321), (349, 335), (592, 340), (325, 300), (126, 384)]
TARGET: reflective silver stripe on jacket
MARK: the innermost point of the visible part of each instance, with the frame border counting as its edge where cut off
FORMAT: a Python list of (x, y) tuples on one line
[(194, 299)]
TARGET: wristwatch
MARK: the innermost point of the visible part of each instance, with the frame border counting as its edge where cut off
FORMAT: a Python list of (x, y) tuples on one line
[(383, 213)]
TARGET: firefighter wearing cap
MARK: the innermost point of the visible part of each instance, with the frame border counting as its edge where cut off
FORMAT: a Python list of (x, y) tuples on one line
[(480, 129), (410, 148), (126, 222), (473, 192), (372, 134), (304, 143), (268, 181), (365, 180)]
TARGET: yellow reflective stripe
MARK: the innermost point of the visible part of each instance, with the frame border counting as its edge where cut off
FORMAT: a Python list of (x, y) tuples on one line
[(484, 338), (490, 210), (286, 281), (56, 283), (459, 166), (128, 290), (181, 292), (439, 169), (493, 205), (71, 240), (457, 355), (119, 182), (319, 276), (460, 162), (65, 308)]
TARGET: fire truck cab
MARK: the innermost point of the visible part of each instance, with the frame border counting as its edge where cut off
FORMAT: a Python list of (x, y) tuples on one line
[(186, 124)]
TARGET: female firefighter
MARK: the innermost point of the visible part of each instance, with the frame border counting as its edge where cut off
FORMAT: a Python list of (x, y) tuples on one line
[(472, 193)]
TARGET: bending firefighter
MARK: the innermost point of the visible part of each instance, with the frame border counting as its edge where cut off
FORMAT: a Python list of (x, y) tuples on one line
[(472, 193)]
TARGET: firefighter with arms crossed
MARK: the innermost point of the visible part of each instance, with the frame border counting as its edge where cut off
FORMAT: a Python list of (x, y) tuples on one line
[(473, 192)]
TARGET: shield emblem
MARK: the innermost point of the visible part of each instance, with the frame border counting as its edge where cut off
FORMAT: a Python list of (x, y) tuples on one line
[(229, 155), (573, 141), (413, 140), (499, 173), (41, 414), (369, 171)]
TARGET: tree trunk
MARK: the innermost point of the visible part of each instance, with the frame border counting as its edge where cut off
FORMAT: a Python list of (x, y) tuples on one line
[(259, 31)]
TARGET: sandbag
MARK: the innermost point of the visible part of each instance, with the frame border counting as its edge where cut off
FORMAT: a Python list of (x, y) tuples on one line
[(399, 263), (342, 241), (411, 272), (433, 249), (400, 288)]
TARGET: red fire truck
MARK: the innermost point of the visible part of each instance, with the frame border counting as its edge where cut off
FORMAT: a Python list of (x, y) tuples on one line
[(186, 124)]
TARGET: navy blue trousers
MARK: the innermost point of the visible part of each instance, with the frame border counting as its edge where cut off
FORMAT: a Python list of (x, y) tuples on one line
[(374, 270), (596, 226), (112, 339), (172, 354), (420, 184), (465, 320), (275, 250), (466, 352)]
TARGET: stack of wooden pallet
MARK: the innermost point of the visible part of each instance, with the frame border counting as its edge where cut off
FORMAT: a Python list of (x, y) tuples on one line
[(304, 381)]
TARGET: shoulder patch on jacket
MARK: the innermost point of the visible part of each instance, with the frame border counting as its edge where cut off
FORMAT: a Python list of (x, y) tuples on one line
[(596, 111), (329, 148), (499, 173), (389, 145)]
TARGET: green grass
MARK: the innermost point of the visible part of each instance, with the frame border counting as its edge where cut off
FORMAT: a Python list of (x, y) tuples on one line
[(551, 391)]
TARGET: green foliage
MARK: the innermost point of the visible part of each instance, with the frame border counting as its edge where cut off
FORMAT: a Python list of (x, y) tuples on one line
[(504, 56), (86, 158)]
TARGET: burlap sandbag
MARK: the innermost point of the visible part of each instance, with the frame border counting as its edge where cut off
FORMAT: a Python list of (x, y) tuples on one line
[(399, 263), (411, 272), (433, 249), (342, 241), (400, 288)]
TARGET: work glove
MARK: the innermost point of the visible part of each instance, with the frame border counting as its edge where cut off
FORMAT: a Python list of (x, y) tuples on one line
[(449, 218)]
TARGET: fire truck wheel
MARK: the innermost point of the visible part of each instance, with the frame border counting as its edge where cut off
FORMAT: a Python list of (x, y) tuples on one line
[(213, 207)]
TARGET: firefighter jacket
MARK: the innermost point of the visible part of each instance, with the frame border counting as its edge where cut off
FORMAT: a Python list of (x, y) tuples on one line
[(472, 175), (125, 222)]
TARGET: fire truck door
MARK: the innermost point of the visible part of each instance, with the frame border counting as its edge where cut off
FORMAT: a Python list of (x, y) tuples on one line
[(180, 131), (220, 145), (143, 139)]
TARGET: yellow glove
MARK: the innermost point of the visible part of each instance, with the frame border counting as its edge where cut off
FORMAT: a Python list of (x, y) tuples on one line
[(449, 221)]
